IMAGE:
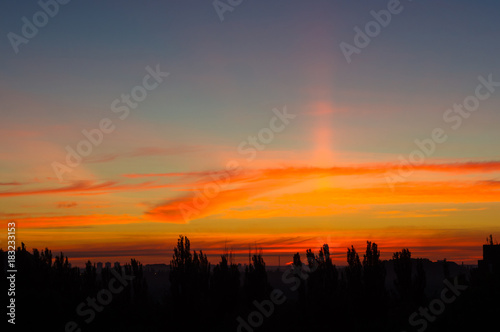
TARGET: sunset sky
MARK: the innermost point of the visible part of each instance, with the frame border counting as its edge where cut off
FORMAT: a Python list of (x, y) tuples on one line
[(330, 133)]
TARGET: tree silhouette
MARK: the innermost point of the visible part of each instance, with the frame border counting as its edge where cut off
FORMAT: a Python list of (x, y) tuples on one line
[(46, 257), (211, 301), (373, 270), (419, 284), (298, 273), (189, 281), (256, 284), (403, 269), (225, 286), (321, 283), (200, 275), (90, 276), (137, 291), (374, 285), (353, 271)]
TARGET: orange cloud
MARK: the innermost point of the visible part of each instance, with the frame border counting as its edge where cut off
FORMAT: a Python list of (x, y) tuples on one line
[(87, 188), (73, 221), (456, 167), (209, 196)]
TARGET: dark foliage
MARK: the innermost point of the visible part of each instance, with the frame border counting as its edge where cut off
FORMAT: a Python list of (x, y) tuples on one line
[(318, 295)]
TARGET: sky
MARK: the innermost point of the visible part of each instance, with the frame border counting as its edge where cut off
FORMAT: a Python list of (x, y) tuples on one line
[(280, 125)]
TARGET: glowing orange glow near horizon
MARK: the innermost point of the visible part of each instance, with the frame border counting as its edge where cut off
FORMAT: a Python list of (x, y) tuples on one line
[(326, 176)]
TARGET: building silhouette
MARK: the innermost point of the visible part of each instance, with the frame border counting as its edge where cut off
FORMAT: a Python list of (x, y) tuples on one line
[(491, 257)]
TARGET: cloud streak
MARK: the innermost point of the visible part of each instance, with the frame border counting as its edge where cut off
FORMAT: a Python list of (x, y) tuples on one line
[(246, 187), (87, 188)]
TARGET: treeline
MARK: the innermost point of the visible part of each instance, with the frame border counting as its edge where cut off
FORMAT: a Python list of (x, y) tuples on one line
[(354, 298), (52, 295), (312, 293), (323, 292)]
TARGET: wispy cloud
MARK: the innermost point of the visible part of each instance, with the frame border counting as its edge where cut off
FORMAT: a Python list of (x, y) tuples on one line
[(74, 220), (247, 185), (88, 188), (143, 152), (453, 167)]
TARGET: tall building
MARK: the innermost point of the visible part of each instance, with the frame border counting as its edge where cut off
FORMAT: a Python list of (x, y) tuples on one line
[(491, 257)]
